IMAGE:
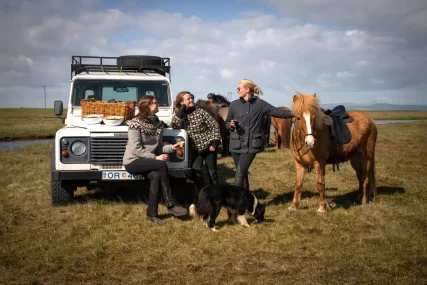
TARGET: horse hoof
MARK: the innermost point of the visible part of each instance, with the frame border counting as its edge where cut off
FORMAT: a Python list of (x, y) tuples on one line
[(321, 210), (292, 208)]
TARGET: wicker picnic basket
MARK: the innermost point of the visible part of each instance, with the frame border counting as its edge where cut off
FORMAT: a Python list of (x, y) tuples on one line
[(125, 109)]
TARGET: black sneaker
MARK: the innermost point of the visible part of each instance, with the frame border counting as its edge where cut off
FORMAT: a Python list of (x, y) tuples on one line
[(156, 220), (177, 211)]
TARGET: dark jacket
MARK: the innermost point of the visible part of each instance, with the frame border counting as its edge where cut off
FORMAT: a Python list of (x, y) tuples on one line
[(248, 135)]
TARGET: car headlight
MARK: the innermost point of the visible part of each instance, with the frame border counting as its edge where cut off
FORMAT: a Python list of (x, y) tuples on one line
[(78, 148)]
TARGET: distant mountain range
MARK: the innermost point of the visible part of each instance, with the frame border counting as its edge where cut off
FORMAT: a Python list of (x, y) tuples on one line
[(377, 107)]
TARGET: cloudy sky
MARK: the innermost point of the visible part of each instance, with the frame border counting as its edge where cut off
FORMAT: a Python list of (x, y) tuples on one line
[(347, 51)]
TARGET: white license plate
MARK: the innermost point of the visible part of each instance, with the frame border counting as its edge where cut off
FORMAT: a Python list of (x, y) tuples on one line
[(121, 175)]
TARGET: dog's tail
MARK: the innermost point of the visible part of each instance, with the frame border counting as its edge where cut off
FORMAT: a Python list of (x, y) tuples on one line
[(204, 207)]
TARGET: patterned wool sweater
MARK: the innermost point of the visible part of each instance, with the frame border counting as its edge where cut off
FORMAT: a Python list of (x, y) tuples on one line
[(145, 140), (202, 129)]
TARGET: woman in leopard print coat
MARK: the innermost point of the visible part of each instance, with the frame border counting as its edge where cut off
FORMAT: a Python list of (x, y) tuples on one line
[(203, 133)]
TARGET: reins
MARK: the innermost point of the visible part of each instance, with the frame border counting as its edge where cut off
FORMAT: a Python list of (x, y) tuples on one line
[(302, 135)]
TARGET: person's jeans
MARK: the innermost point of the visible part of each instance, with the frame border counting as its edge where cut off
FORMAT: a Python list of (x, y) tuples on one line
[(242, 161), (157, 172)]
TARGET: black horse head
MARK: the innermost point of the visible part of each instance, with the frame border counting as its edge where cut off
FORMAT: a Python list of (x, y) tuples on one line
[(219, 99)]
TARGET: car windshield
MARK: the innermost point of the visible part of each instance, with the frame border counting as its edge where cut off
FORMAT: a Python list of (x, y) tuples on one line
[(123, 90)]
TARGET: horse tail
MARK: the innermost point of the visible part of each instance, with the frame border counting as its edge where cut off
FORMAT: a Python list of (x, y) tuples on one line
[(373, 176), (204, 207)]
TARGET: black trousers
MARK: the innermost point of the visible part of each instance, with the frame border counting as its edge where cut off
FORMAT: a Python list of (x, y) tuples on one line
[(210, 158), (242, 161), (157, 172)]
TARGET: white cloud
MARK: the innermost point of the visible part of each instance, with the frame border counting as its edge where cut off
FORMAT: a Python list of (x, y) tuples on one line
[(281, 54), (346, 74), (362, 63), (226, 73)]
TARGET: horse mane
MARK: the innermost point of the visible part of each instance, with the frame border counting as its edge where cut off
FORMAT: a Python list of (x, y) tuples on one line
[(208, 107), (219, 99), (310, 104)]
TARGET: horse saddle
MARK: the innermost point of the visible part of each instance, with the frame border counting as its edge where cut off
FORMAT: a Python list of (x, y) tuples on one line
[(339, 119)]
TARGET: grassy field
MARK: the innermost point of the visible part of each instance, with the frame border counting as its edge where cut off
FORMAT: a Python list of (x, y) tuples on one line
[(104, 238), (28, 123), (25, 123)]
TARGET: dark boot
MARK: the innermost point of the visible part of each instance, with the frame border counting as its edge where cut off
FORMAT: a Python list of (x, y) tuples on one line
[(156, 220), (177, 211), (169, 199), (241, 180)]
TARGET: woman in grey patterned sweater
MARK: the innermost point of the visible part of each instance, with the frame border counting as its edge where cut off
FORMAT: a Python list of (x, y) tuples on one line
[(146, 153), (203, 134)]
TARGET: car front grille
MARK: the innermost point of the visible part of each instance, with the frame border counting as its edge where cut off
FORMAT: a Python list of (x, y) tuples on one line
[(107, 150)]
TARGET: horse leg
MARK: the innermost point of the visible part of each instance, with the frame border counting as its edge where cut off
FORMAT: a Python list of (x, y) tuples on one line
[(287, 138), (300, 171), (282, 138), (362, 167), (372, 179), (278, 141), (356, 162), (320, 173)]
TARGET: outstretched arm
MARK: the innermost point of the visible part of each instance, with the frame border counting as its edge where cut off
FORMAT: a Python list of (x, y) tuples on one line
[(276, 112)]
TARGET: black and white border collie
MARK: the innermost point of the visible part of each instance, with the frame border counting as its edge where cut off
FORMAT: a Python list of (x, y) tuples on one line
[(237, 200)]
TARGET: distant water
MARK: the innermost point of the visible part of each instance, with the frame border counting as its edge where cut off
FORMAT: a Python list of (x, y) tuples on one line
[(383, 122), (12, 145)]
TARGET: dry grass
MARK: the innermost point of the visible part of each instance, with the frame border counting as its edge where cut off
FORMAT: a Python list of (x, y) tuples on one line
[(397, 115), (27, 123), (105, 238)]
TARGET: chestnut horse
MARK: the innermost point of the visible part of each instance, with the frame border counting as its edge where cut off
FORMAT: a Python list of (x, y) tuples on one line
[(312, 144), (282, 130), (211, 108)]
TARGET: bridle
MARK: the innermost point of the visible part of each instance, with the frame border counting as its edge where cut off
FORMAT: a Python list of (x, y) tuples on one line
[(302, 135)]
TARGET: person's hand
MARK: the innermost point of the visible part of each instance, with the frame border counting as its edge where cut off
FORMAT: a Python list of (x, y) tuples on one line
[(211, 148), (163, 157), (233, 124), (181, 111), (176, 146)]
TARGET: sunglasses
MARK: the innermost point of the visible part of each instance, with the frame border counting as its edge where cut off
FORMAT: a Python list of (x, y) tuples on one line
[(238, 89)]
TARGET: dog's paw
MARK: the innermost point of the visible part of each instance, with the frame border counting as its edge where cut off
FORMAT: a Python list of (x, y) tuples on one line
[(192, 210), (213, 229)]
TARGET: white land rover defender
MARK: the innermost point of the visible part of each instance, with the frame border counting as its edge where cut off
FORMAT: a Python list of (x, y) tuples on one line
[(88, 155)]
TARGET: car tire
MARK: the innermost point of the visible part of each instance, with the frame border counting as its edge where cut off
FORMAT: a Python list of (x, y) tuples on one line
[(62, 192)]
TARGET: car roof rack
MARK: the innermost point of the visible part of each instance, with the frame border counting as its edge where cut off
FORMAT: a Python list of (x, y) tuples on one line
[(138, 64)]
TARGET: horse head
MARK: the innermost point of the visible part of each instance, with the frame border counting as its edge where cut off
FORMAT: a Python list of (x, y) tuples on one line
[(308, 117), (219, 99)]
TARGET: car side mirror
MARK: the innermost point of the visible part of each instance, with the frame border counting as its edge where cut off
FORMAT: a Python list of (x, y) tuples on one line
[(58, 108)]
